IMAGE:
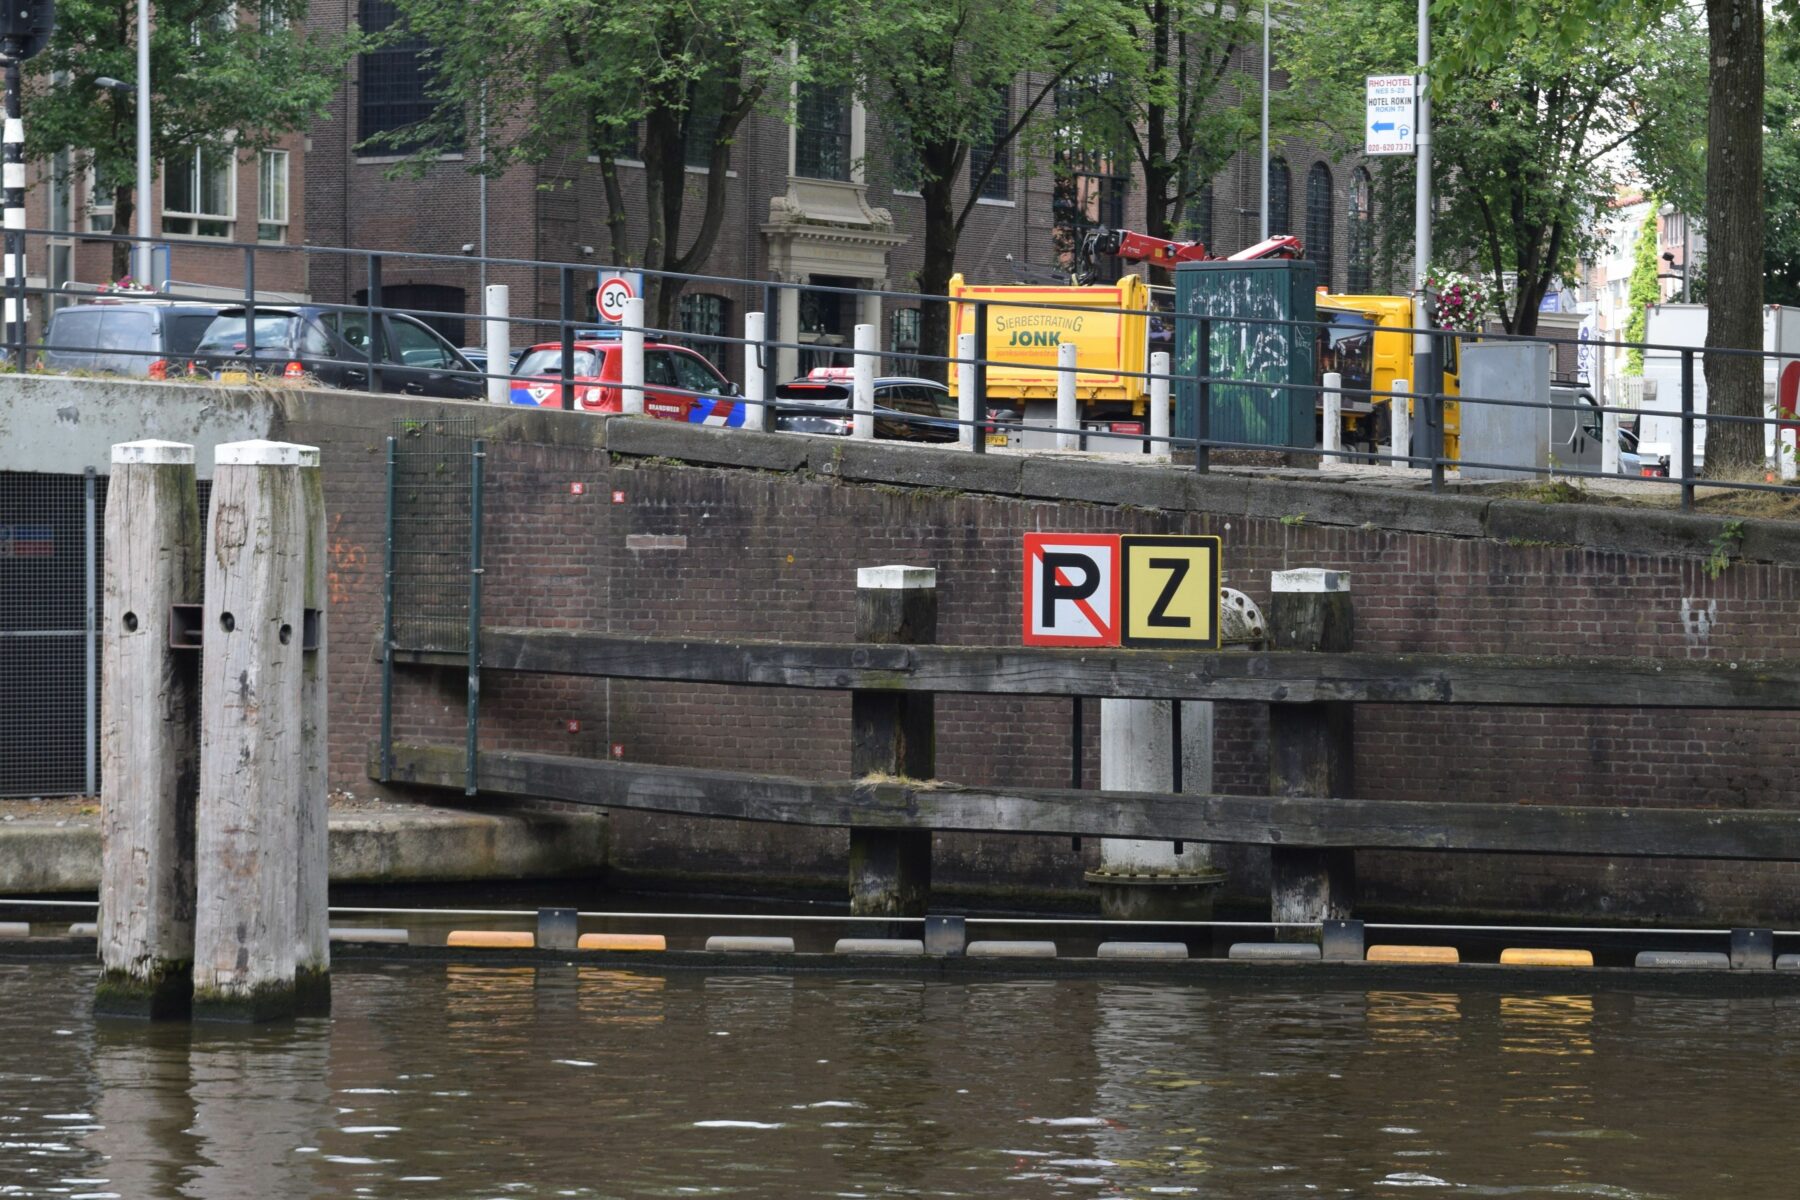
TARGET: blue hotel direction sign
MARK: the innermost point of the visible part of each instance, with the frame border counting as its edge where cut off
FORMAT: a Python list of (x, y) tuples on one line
[(1389, 126)]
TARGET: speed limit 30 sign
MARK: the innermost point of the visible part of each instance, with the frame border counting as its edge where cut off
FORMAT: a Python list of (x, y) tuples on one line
[(609, 300)]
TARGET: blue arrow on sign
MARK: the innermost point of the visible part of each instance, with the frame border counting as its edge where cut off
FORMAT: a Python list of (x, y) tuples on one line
[(1382, 126)]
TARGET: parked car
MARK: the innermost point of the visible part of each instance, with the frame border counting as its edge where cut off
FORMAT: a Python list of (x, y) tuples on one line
[(477, 355), (1642, 460), (679, 385), (150, 339), (333, 346), (906, 409)]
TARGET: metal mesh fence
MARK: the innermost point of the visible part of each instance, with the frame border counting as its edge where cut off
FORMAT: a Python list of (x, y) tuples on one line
[(432, 510)]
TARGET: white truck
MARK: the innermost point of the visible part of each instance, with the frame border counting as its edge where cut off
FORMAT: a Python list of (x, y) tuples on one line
[(1685, 325)]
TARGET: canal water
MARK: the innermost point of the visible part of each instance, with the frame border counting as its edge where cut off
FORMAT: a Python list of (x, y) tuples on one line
[(471, 1081)]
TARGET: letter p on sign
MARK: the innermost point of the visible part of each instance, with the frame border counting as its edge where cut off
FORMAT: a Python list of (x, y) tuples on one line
[(1071, 589)]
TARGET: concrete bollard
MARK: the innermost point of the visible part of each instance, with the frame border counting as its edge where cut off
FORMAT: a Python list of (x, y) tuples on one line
[(497, 305), (756, 385), (1609, 443), (1068, 411), (149, 734), (1144, 879), (1310, 749), (312, 947), (893, 734), (246, 925), (965, 392), (1788, 455), (631, 357), (1331, 425), (1159, 404), (862, 383), (1401, 423)]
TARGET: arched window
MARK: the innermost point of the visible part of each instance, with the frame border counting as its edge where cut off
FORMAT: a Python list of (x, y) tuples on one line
[(1318, 219), (1280, 214), (1362, 232)]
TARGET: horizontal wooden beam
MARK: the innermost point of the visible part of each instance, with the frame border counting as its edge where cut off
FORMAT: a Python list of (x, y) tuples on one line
[(1269, 677), (1252, 820)]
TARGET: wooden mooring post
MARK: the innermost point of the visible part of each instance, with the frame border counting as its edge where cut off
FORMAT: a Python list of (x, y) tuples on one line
[(248, 925), (1310, 747), (312, 948), (149, 739), (893, 734)]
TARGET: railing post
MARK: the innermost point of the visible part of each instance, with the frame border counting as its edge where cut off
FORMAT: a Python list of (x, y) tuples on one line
[(1311, 746), (1331, 424), (1400, 423), (565, 335), (497, 306), (978, 384), (1609, 442), (893, 734), (150, 732), (1159, 404), (1434, 413), (1686, 460), (1787, 454), (756, 387), (1068, 414), (250, 309), (1203, 396), (631, 357), (966, 434), (374, 314), (862, 383)]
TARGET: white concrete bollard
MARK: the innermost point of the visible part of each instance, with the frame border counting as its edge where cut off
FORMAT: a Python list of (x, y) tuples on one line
[(965, 391), (862, 383), (312, 942), (498, 340), (246, 922), (1332, 424), (631, 358), (149, 734), (1068, 413), (1609, 443), (1137, 752), (756, 386), (1159, 404), (1401, 412), (1789, 454)]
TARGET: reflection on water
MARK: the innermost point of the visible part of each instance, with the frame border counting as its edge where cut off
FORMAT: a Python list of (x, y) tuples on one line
[(469, 1081)]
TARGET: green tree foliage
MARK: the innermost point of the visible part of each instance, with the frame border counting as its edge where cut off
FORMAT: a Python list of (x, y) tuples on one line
[(551, 81), (1781, 162), (1531, 139), (1642, 289), (221, 76)]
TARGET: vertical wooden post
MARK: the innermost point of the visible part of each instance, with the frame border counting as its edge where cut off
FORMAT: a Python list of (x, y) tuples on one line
[(1310, 746), (149, 734), (245, 928), (894, 734), (312, 947)]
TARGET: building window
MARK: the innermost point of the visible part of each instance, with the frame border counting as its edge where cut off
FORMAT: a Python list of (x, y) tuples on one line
[(272, 16), (394, 96), (1361, 222), (99, 202), (197, 194), (1280, 216), (822, 133), (1197, 222), (700, 124), (993, 153), (272, 196), (1318, 219), (1092, 174), (903, 340), (704, 314)]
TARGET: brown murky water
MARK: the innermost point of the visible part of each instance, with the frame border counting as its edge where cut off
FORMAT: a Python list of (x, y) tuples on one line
[(464, 1081)]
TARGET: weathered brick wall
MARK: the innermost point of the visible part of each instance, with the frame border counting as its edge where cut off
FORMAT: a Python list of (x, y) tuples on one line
[(741, 551)]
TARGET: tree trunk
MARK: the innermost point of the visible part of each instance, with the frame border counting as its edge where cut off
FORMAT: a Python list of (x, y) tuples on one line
[(124, 218), (938, 253), (1734, 233)]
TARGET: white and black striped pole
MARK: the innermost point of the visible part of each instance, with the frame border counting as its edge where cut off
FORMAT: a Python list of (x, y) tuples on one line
[(12, 199)]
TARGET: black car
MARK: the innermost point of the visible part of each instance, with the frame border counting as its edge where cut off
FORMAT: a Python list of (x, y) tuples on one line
[(151, 339), (906, 409), (333, 346)]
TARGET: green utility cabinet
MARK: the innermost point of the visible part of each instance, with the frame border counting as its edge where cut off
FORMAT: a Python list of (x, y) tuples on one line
[(1250, 355)]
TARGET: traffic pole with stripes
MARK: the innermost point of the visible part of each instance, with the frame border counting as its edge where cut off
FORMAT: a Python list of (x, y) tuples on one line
[(12, 198)]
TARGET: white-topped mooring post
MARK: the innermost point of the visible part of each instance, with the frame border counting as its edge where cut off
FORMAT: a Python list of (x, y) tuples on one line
[(756, 386), (631, 357), (252, 767), (497, 304), (966, 433), (1400, 415), (149, 734), (312, 943), (1159, 403), (1068, 414), (862, 383), (893, 734), (1332, 423)]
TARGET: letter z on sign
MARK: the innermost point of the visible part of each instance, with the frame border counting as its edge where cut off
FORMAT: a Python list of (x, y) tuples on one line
[(1169, 591), (1071, 589)]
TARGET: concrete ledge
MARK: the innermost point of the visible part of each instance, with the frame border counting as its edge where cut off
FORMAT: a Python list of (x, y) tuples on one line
[(879, 946), (1154, 950), (1706, 960), (1002, 949), (1049, 476), (915, 466), (700, 445), (1275, 951), (720, 944)]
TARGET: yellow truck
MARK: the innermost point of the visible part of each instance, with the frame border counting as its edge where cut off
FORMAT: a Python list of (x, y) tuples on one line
[(1111, 343)]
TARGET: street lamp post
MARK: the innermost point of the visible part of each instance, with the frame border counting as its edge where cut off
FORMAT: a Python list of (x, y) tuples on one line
[(140, 251)]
